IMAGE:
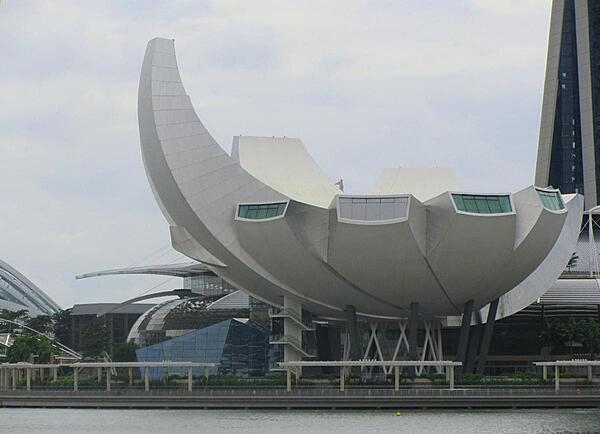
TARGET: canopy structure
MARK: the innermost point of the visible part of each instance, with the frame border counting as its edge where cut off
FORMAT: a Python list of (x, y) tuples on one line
[(18, 292)]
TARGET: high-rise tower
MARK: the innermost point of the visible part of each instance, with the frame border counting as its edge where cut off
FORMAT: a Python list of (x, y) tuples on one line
[(569, 143)]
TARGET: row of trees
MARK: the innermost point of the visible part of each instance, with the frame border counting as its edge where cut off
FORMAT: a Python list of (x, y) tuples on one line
[(583, 335), (95, 337)]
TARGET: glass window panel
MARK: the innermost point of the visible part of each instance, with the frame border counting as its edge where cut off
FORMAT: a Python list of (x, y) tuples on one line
[(494, 204), (373, 208), (551, 200), (482, 205), (261, 211), (505, 203), (470, 205), (458, 201)]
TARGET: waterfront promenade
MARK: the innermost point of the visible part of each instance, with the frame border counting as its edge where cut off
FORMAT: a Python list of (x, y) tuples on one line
[(315, 398)]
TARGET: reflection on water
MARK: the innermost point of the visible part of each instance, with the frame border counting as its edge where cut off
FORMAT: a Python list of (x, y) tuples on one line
[(17, 421)]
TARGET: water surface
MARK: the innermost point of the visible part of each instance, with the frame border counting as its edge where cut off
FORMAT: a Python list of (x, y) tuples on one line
[(17, 421)]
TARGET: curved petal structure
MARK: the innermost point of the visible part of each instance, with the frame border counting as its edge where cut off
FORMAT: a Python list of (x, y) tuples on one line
[(271, 223), (285, 165)]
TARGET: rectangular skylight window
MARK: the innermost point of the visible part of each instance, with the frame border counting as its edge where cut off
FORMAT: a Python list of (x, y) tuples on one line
[(551, 200), (482, 204), (373, 208), (261, 211)]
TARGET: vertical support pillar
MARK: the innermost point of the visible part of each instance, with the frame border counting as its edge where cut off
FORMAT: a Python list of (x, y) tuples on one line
[(108, 378), (14, 379), (41, 374), (589, 373), (487, 336), (146, 379), (396, 378), (206, 373), (463, 339), (75, 379), (130, 372), (28, 379), (545, 373), (54, 375), (342, 378), (451, 375), (556, 378), (474, 342), (289, 380), (99, 374), (189, 380), (352, 332), (413, 334)]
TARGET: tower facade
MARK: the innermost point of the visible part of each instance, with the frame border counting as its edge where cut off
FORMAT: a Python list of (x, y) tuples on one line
[(569, 142)]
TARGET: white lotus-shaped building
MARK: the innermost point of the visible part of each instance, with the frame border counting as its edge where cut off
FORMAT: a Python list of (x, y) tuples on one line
[(270, 222)]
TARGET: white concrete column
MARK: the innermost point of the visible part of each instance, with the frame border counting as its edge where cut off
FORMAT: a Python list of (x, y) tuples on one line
[(130, 372), (14, 378), (289, 380), (396, 378), (54, 375), (28, 379), (75, 379), (451, 370), (99, 375), (545, 373), (189, 380), (108, 379), (342, 378), (556, 378), (147, 379)]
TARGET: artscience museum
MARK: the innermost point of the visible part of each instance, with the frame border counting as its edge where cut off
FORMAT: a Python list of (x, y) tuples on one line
[(416, 252)]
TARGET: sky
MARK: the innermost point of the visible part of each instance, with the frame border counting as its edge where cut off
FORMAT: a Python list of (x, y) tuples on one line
[(365, 84)]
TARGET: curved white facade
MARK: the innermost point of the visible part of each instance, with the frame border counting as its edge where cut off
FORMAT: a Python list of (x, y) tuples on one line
[(285, 231)]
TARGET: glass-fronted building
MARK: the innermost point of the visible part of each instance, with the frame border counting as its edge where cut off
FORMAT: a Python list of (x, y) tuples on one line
[(238, 349)]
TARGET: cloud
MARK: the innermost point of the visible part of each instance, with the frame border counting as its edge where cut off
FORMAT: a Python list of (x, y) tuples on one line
[(365, 84)]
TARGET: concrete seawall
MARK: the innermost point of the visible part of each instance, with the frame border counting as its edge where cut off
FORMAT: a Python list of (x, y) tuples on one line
[(306, 398)]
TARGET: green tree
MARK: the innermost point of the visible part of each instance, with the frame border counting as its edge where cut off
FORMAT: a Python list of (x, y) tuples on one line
[(572, 333), (552, 335), (20, 316), (26, 344), (41, 323), (572, 261), (95, 338), (63, 327), (124, 352), (590, 337)]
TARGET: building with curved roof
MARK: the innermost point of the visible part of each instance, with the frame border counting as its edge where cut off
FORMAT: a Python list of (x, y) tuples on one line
[(269, 221), (18, 292)]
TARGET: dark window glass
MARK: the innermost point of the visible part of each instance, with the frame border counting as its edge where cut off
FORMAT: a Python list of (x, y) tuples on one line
[(566, 164), (478, 204), (261, 211)]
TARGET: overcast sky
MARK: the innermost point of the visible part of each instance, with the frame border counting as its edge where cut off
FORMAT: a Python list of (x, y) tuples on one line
[(365, 85)]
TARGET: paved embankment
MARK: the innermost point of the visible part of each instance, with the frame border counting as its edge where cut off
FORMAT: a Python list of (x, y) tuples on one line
[(307, 398)]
